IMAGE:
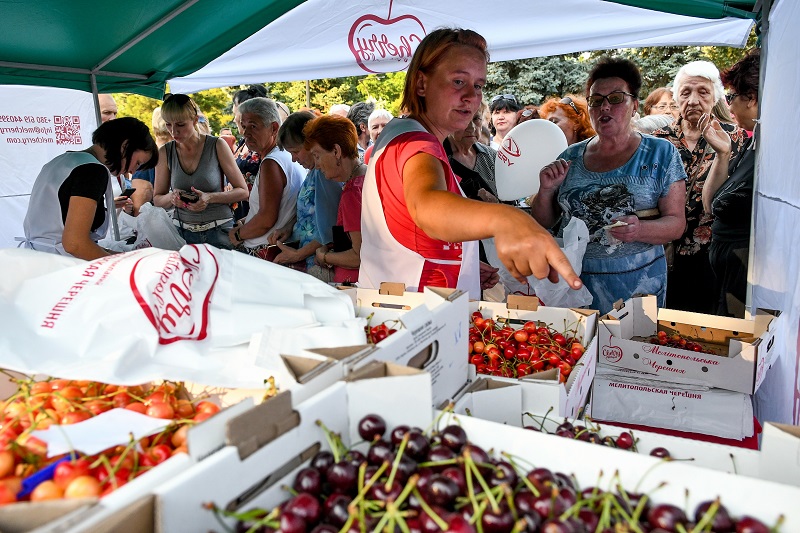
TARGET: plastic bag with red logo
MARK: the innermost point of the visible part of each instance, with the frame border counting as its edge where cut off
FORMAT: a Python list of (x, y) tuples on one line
[(155, 314)]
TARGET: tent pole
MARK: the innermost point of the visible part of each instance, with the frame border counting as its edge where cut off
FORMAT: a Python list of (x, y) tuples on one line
[(308, 94), (95, 96), (751, 256)]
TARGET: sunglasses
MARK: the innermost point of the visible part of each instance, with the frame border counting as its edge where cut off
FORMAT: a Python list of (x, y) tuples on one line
[(567, 100), (730, 97), (615, 98), (180, 99), (504, 97)]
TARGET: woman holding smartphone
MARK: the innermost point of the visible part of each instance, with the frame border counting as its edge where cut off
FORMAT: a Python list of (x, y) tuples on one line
[(191, 176), (71, 201)]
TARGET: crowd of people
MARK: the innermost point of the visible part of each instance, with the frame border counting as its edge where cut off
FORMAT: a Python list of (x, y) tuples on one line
[(663, 182)]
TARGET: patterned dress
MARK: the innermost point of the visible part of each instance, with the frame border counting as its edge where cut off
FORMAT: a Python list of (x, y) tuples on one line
[(691, 281)]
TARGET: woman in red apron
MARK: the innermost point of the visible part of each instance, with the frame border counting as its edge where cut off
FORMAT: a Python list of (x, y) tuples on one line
[(417, 227)]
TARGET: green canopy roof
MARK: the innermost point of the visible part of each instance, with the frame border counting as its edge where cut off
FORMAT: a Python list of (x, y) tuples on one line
[(710, 9), (129, 46)]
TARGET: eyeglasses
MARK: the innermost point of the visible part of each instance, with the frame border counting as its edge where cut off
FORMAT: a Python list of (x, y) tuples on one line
[(615, 98), (663, 107), (730, 97), (504, 97), (567, 100)]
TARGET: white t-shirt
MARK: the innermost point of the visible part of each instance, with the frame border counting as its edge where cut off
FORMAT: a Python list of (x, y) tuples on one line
[(295, 174)]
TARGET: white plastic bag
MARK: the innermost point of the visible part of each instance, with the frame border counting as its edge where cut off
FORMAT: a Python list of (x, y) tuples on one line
[(155, 314), (576, 237), (155, 228), (573, 244)]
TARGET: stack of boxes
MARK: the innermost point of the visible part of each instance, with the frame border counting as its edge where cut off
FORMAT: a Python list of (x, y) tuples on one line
[(644, 380)]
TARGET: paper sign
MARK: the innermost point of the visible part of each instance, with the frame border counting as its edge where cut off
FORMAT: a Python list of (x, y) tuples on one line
[(100, 432)]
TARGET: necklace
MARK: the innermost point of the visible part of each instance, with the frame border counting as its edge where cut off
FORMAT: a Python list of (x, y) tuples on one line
[(357, 167)]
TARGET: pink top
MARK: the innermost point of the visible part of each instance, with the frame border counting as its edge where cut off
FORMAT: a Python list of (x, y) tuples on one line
[(349, 217)]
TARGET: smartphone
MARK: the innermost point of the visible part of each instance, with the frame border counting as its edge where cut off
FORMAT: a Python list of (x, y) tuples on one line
[(189, 197), (128, 192)]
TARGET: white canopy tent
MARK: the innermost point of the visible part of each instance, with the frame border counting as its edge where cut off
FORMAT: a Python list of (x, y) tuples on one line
[(331, 38)]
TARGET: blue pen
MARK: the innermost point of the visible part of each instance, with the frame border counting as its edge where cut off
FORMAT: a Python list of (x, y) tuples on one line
[(33, 481)]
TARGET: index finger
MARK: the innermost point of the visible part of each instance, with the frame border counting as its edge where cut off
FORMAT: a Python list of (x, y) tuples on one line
[(559, 264)]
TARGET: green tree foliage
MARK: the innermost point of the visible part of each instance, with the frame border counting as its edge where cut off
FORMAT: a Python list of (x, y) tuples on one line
[(214, 103), (534, 80), (385, 89)]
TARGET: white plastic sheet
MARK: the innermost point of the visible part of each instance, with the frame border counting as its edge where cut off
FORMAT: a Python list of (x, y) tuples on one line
[(155, 314)]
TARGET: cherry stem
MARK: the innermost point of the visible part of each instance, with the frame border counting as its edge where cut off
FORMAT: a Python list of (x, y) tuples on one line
[(471, 465), (398, 456), (334, 443), (427, 508), (361, 474), (708, 516)]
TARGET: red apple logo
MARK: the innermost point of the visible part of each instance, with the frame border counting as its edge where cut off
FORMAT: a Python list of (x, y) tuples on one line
[(174, 291), (612, 353), (379, 44)]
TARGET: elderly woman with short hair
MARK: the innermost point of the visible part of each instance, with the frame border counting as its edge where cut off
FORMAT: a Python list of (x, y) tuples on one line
[(274, 195), (700, 97)]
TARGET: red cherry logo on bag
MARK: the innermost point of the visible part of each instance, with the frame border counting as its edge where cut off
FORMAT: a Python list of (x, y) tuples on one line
[(378, 43)]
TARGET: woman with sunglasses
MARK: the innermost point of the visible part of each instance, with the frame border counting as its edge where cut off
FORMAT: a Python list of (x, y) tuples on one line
[(611, 180), (71, 201), (190, 177), (700, 96), (571, 115), (417, 227), (728, 190), (503, 108)]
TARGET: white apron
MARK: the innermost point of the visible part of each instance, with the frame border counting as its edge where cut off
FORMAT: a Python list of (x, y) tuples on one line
[(44, 228), (383, 258)]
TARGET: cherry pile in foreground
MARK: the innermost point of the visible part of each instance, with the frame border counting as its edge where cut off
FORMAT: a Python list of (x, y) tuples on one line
[(677, 340), (410, 482), (37, 405), (500, 350)]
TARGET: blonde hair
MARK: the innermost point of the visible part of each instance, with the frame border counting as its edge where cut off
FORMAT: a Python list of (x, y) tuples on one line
[(160, 128), (172, 111)]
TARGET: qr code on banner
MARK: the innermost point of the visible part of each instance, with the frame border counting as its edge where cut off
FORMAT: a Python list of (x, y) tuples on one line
[(68, 130)]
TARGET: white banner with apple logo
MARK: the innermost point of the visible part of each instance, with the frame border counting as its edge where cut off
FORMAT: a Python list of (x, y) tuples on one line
[(331, 38), (36, 125)]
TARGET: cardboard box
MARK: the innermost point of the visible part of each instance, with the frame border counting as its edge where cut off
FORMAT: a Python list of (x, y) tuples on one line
[(542, 390), (780, 453), (273, 440), (677, 482), (490, 399), (744, 349), (431, 331), (620, 395)]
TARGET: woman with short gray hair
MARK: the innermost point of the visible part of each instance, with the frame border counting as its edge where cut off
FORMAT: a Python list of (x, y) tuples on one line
[(698, 91), (274, 194)]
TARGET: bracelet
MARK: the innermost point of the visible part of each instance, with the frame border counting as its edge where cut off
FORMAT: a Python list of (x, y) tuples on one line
[(236, 235)]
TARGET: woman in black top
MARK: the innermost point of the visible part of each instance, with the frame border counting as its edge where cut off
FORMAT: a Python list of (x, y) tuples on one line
[(728, 192)]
